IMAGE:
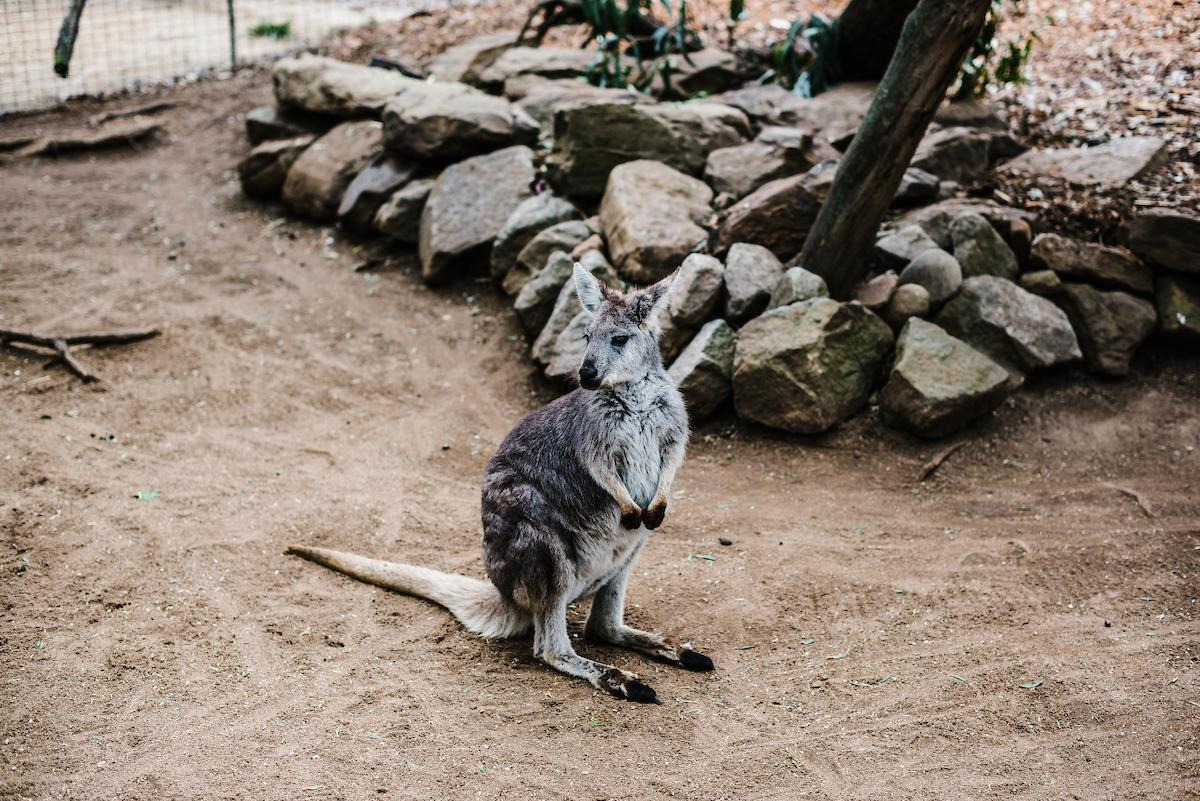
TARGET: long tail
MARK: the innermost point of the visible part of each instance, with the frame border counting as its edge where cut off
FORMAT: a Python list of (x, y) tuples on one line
[(478, 605)]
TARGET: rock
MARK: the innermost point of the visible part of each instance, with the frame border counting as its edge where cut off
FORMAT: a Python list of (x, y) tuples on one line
[(532, 258), (269, 122), (546, 62), (263, 171), (895, 250), (566, 309), (317, 180), (673, 337), (1115, 163), (327, 86), (741, 169), (834, 115), (709, 70), (970, 113), (535, 302), (937, 271), (593, 242), (1110, 326), (910, 300), (751, 274), (591, 139), (541, 98), (651, 215), (795, 285), (569, 349), (697, 290), (372, 187), (1167, 237), (777, 215), (533, 216), (979, 250), (876, 292), (704, 369), (400, 215), (451, 121), (1044, 283), (1096, 264), (917, 187), (468, 205), (937, 218), (466, 61), (938, 384), (808, 366), (953, 153), (1178, 299), (1020, 239), (1017, 329)]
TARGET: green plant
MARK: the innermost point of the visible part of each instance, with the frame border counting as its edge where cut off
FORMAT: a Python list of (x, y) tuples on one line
[(632, 31), (272, 30), (804, 61), (984, 67)]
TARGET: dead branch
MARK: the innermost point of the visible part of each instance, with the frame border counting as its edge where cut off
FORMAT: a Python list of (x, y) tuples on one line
[(115, 136), (61, 345), (933, 464)]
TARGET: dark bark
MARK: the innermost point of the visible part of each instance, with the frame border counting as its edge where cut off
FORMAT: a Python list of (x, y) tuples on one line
[(868, 31), (928, 56)]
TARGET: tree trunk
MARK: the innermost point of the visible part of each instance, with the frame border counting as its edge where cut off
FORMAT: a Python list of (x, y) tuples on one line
[(867, 36), (928, 56)]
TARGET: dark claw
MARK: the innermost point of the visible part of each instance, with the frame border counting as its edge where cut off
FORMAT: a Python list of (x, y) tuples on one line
[(694, 660), (641, 693), (632, 520), (653, 516)]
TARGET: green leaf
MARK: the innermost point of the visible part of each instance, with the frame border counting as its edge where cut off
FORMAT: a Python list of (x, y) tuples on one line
[(148, 495), (737, 9), (1031, 685), (841, 655), (807, 641), (959, 679)]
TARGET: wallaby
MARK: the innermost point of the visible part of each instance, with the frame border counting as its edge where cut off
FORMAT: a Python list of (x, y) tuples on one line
[(568, 501)]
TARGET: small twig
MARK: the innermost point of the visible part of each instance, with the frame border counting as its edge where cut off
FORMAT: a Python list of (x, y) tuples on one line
[(61, 345), (1136, 496), (933, 464)]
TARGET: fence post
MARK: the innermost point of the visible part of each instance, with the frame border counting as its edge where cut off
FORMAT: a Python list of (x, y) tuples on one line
[(232, 35)]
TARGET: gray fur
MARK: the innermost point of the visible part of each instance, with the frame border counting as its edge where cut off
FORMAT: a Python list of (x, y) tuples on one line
[(568, 501)]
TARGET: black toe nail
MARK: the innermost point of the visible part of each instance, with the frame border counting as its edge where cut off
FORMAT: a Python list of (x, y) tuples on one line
[(694, 660), (636, 691)]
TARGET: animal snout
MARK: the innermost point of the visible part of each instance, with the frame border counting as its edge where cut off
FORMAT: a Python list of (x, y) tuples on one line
[(588, 375)]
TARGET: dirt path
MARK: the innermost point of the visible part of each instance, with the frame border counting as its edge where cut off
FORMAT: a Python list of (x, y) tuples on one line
[(871, 633)]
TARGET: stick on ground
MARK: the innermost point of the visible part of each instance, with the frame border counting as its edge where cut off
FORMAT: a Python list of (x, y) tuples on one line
[(933, 464), (61, 345)]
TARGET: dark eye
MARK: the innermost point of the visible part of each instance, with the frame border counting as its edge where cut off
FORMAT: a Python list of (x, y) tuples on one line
[(587, 337), (619, 340)]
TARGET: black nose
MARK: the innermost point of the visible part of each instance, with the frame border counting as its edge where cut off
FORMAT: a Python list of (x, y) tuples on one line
[(587, 373)]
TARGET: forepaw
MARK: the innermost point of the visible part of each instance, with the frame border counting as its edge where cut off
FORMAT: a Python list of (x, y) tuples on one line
[(694, 660), (631, 518), (627, 687), (653, 516)]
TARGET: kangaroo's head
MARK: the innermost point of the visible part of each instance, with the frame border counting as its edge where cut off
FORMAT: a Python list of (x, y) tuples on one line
[(623, 334)]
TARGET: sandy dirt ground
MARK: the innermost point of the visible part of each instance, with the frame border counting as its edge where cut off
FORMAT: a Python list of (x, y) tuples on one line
[(871, 632)]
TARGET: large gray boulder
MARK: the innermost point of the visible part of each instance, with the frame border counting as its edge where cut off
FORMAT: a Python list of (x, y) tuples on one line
[(468, 205), (938, 384), (544, 62), (263, 171), (797, 284), (778, 215), (466, 61), (565, 236), (1017, 329), (651, 217), (696, 290), (776, 153), (1167, 237), (980, 250), (533, 216), (372, 187), (917, 188), (1096, 264), (590, 139), (808, 366), (400, 215), (704, 369), (317, 179), (935, 270), (1110, 326), (1178, 299), (451, 121), (953, 154), (337, 88), (1114, 163), (751, 274), (834, 115), (895, 250), (535, 302), (542, 98)]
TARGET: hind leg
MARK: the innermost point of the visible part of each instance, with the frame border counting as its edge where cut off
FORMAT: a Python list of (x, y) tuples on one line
[(606, 623), (553, 645)]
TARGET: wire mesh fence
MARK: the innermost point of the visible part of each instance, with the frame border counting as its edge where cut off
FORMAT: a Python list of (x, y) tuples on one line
[(132, 44)]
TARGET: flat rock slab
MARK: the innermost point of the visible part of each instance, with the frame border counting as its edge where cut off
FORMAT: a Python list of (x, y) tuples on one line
[(451, 121), (777, 215), (833, 115), (593, 138), (400, 215), (953, 154), (938, 384), (1111, 326), (270, 122), (895, 250), (263, 171), (327, 86), (541, 98), (651, 214), (1017, 329), (533, 216), (317, 180), (545, 62), (1114, 163), (704, 369), (1097, 264), (564, 236), (806, 367), (371, 188), (739, 170), (465, 62), (468, 205), (1167, 237)]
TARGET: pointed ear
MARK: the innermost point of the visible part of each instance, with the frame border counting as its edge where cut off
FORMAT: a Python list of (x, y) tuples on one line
[(653, 298), (587, 286)]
